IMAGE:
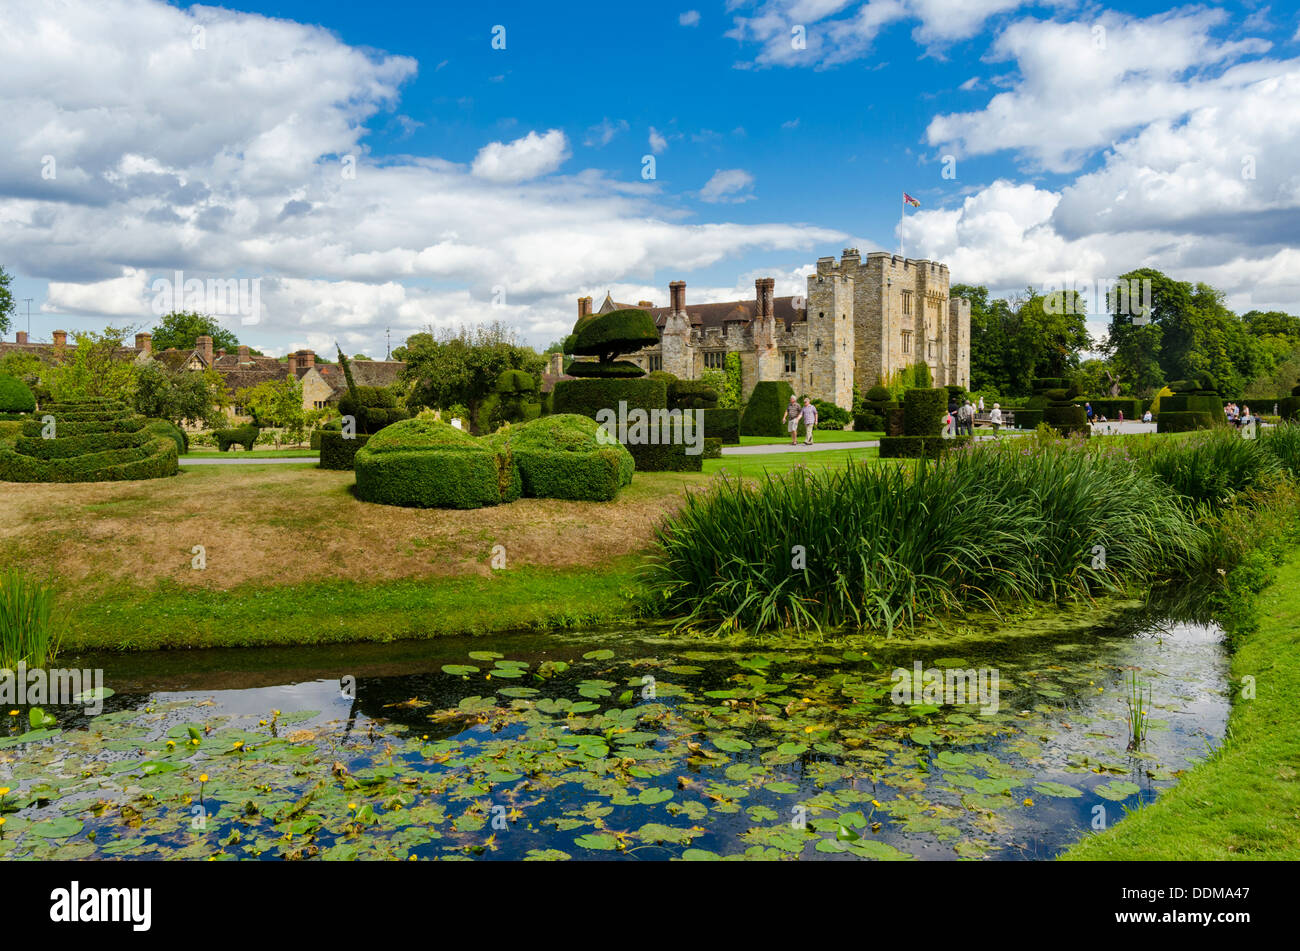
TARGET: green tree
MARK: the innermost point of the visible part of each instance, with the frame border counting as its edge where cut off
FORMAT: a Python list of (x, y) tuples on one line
[(462, 366), (180, 396), (6, 300), (277, 404), (95, 367), (182, 329)]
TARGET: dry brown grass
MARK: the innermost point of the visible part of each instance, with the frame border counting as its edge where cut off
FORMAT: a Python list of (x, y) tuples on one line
[(282, 525)]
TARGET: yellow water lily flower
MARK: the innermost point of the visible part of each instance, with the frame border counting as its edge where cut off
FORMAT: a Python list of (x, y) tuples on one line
[(203, 777), (1028, 802)]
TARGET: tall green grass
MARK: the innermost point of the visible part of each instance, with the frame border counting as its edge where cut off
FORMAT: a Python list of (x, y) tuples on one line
[(887, 546), (27, 629)]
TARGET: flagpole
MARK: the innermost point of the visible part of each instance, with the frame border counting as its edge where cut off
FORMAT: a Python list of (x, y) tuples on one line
[(902, 212)]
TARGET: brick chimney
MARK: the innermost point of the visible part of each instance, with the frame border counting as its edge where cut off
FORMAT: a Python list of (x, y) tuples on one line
[(584, 307), (22, 336), (556, 365), (293, 364), (764, 295), (307, 358), (60, 338), (144, 343), (204, 346), (677, 296), (243, 355)]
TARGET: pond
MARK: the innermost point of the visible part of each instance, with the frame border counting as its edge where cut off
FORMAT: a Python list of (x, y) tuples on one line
[(618, 744)]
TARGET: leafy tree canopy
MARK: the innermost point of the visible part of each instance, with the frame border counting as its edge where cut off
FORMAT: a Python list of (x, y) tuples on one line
[(182, 329)]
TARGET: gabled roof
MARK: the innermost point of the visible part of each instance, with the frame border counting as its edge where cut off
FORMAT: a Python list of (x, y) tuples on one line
[(736, 311)]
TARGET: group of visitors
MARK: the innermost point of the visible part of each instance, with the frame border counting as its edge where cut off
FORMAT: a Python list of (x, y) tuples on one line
[(961, 417), (1237, 415), (795, 414)]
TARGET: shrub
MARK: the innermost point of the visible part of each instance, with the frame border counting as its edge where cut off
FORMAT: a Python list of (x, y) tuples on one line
[(426, 463), (712, 448), (923, 411), (766, 409), (113, 444), (606, 336), (337, 451), (245, 435), (566, 457), (1111, 407), (599, 398), (1066, 417), (1188, 409), (872, 413), (691, 394), (831, 416), (169, 430), (15, 396), (723, 424)]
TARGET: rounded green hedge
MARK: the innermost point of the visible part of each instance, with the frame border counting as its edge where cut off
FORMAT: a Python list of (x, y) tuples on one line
[(15, 395), (426, 463), (337, 451), (565, 457), (622, 330), (99, 450)]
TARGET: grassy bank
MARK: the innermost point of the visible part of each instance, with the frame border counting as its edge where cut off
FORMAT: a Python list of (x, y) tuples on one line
[(167, 617), (1244, 801)]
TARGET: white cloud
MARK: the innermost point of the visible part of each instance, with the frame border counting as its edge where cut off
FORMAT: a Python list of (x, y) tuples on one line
[(522, 159), (689, 18), (657, 141), (728, 185), (838, 31), (248, 159), (1082, 85)]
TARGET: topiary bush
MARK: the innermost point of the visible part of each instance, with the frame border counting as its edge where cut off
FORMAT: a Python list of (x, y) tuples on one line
[(337, 450), (168, 429), (93, 441), (1064, 415), (723, 424), (917, 447), (566, 457), (245, 435), (600, 399), (605, 337), (872, 413), (691, 394), (426, 463), (765, 411), (923, 411), (15, 396), (1194, 404)]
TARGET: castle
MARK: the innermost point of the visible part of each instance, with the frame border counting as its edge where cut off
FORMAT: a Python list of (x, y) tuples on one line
[(861, 321)]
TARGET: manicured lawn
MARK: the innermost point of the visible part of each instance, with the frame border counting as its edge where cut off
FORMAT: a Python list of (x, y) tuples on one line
[(1244, 801), (756, 465)]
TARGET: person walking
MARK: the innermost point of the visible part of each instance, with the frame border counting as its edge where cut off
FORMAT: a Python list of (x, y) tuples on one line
[(809, 420), (792, 416), (995, 418), (1087, 408)]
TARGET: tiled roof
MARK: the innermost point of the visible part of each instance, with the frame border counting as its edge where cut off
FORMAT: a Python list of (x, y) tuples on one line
[(716, 314)]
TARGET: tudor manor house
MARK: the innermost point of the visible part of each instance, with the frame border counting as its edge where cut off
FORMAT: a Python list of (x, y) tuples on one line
[(862, 320)]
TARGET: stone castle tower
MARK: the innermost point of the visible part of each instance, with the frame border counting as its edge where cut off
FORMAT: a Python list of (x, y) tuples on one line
[(861, 321)]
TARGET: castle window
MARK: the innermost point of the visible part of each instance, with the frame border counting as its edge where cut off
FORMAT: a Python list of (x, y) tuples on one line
[(907, 341), (791, 363), (714, 359), (655, 362), (907, 302)]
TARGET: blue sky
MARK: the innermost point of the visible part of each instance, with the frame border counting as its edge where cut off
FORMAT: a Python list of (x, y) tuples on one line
[(490, 183)]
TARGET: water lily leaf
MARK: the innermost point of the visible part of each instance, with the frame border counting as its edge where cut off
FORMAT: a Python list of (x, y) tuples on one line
[(459, 670), (58, 828), (1060, 790), (485, 655), (601, 841), (731, 744), (1117, 789)]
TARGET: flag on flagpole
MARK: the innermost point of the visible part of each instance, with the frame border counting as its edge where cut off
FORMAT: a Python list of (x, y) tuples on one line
[(909, 200)]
